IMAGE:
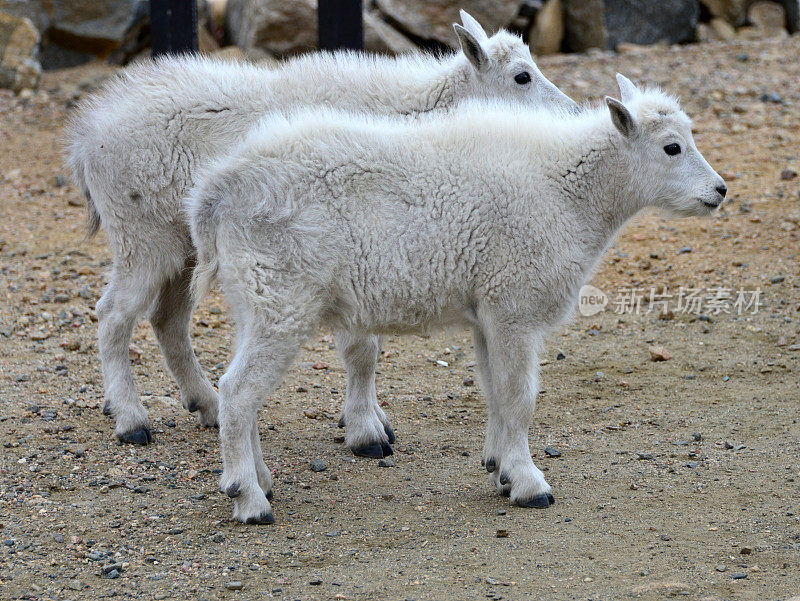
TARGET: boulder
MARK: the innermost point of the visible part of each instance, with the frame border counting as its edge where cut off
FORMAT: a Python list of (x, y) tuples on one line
[(19, 50), (381, 37), (583, 25), (732, 11), (735, 12), (769, 18), (608, 23), (281, 27), (548, 29), (75, 31), (722, 29), (432, 20)]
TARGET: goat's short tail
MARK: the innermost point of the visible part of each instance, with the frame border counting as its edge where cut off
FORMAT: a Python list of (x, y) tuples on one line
[(203, 207), (75, 149), (92, 216)]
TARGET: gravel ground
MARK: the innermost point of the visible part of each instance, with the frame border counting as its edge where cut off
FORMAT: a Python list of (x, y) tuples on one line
[(676, 478)]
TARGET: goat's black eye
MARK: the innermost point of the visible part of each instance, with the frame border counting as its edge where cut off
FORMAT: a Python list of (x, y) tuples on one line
[(672, 149), (522, 78)]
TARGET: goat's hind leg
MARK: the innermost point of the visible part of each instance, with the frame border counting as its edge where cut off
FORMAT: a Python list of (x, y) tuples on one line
[(171, 317), (128, 296), (369, 433), (262, 359)]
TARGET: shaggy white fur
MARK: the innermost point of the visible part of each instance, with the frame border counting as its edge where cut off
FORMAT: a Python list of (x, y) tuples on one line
[(136, 148), (490, 215)]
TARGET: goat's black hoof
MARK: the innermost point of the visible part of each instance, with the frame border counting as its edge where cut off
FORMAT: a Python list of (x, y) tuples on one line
[(141, 436), (504, 479), (193, 405), (390, 434), (541, 501), (490, 465), (107, 409), (341, 423), (375, 451), (264, 518), (387, 449), (234, 490), (270, 495)]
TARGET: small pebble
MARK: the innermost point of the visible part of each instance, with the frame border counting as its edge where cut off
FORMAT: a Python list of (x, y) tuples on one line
[(721, 567), (746, 550), (386, 463), (644, 456), (560, 356), (738, 576), (501, 533), (777, 279), (234, 585), (468, 382), (771, 97), (318, 465), (552, 452), (315, 582), (684, 250)]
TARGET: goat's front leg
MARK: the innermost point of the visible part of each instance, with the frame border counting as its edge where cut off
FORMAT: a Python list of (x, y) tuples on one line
[(508, 364), (369, 433)]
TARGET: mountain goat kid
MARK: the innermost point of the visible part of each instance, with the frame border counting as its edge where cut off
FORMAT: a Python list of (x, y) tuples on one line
[(490, 215), (136, 150)]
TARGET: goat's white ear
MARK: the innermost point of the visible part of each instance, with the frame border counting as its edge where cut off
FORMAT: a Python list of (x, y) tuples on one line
[(472, 25), (627, 89), (621, 117), (472, 48)]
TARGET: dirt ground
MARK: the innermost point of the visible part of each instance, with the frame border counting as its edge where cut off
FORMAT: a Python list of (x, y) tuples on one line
[(677, 478)]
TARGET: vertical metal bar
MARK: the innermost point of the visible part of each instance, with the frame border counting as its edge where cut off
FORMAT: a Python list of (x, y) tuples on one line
[(341, 25), (173, 24)]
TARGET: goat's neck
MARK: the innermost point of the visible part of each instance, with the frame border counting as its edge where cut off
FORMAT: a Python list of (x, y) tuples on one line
[(603, 186)]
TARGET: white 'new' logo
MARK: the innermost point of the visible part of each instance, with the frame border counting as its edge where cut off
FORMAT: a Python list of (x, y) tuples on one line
[(591, 300)]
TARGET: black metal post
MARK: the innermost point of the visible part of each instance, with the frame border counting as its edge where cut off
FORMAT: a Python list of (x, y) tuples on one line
[(341, 25), (173, 24)]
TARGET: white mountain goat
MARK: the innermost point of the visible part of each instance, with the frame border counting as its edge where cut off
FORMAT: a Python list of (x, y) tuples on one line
[(489, 215), (136, 150)]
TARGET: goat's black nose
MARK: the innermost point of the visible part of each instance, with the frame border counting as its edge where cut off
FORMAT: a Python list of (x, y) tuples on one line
[(723, 190)]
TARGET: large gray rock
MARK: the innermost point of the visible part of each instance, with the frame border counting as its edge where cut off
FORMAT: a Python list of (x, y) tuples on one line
[(608, 23), (583, 25), (282, 27), (381, 37), (433, 19), (74, 31), (19, 48)]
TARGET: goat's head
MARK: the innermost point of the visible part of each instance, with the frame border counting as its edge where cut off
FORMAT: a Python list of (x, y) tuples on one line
[(504, 68), (657, 137)]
